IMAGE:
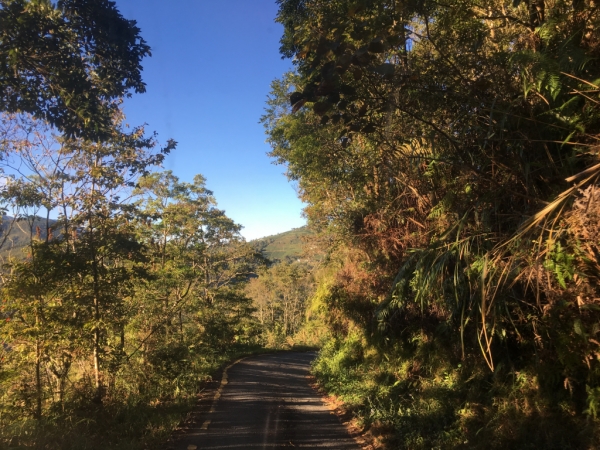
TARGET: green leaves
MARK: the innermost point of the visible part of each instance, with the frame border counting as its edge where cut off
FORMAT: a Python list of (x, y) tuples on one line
[(560, 263), (449, 161), (320, 108), (68, 63)]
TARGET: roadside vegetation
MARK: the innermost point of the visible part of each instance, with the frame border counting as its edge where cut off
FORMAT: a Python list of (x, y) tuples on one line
[(117, 310), (448, 155), (281, 297), (122, 287), (282, 290)]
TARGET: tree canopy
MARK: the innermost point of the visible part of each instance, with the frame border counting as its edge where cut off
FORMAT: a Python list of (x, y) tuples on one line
[(68, 62), (447, 150)]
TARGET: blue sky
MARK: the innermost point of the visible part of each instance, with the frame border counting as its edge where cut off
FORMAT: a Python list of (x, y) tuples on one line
[(207, 81)]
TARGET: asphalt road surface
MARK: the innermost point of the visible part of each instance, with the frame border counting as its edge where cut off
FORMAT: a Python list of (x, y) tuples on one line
[(266, 402)]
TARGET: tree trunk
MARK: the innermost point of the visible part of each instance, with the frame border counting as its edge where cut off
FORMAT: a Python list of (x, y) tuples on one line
[(96, 302), (38, 379)]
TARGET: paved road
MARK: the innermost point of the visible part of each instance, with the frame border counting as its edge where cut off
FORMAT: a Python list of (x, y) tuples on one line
[(267, 403)]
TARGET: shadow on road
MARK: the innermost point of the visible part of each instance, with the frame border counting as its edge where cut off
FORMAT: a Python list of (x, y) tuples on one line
[(268, 403)]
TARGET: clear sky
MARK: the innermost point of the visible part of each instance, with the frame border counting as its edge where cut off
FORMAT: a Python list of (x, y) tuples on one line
[(207, 81)]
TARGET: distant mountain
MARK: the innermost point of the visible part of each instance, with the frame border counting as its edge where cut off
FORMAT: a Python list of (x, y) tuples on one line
[(287, 246), (16, 235), (283, 246)]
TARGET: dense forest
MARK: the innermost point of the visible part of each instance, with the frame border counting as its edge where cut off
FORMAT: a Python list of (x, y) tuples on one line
[(126, 300), (448, 154), (122, 287)]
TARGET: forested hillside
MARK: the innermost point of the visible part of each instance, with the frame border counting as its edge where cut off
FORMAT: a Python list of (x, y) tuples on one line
[(17, 234), (283, 246), (449, 156), (293, 245), (281, 292)]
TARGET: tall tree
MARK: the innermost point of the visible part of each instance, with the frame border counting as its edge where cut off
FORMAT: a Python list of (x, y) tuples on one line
[(68, 62), (80, 267), (198, 265)]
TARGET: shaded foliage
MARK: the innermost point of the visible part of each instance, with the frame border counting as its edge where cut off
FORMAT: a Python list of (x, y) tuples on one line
[(67, 62), (449, 150)]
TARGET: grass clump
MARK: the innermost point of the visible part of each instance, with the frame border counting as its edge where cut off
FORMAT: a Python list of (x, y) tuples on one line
[(418, 396)]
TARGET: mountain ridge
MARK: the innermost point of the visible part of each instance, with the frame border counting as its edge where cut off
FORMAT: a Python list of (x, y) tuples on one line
[(286, 246)]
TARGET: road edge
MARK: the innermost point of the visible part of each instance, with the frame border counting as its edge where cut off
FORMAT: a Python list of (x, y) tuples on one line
[(361, 435), (205, 397), (217, 395)]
